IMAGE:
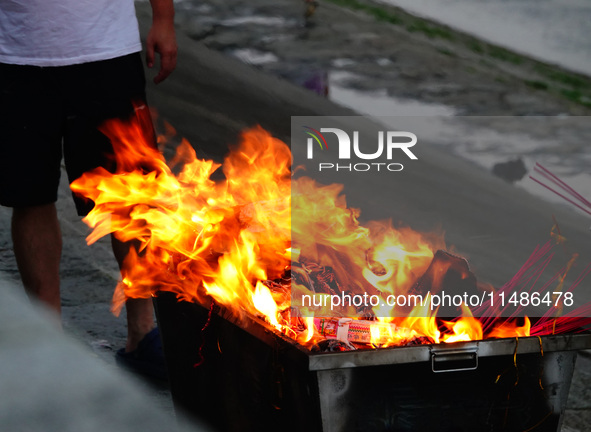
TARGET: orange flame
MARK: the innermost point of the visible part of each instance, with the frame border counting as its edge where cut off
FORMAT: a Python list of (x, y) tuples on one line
[(511, 329), (224, 240)]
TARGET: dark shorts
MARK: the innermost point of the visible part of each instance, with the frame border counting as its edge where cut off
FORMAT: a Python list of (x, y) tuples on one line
[(50, 112)]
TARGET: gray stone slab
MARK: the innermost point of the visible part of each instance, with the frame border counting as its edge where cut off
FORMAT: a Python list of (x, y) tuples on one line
[(51, 383)]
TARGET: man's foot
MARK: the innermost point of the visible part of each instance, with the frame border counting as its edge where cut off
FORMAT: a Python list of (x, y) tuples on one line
[(147, 359)]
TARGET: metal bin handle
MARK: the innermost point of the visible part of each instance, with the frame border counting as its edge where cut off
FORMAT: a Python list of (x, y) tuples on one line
[(454, 360)]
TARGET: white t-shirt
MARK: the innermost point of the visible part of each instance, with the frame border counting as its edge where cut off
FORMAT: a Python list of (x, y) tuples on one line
[(66, 32)]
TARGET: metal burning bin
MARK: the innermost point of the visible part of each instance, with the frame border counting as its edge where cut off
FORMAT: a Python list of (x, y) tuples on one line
[(248, 378)]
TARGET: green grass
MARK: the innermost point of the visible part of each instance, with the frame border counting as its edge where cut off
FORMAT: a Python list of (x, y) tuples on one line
[(504, 55), (566, 78), (431, 31), (572, 86), (377, 12), (577, 96), (538, 85), (476, 47), (381, 14), (446, 52)]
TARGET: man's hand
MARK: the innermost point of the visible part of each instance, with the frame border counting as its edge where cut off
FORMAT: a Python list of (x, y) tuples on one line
[(162, 39)]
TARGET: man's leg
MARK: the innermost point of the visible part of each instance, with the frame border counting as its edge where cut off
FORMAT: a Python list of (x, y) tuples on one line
[(143, 350), (100, 91), (140, 312), (30, 156), (37, 240)]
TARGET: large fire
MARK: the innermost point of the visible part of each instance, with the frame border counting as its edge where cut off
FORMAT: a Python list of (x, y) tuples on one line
[(230, 242)]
